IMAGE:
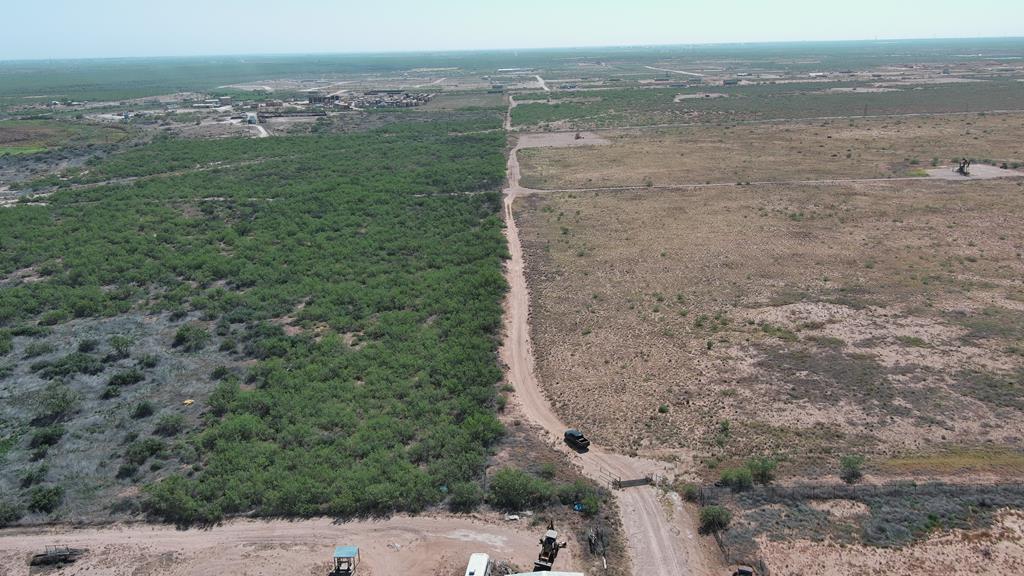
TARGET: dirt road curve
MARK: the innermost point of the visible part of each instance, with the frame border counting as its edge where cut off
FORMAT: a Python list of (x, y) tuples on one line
[(400, 545), (675, 71), (660, 532)]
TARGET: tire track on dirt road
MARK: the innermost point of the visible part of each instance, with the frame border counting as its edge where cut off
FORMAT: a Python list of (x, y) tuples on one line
[(660, 535)]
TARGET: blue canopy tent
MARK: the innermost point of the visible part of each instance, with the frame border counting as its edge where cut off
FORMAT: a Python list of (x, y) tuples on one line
[(345, 560)]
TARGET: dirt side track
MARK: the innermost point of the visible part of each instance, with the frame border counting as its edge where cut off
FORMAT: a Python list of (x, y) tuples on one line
[(399, 545), (661, 534)]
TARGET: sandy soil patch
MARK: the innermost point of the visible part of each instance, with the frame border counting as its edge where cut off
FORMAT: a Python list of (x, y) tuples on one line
[(859, 90), (998, 550), (560, 140), (922, 81), (698, 96), (977, 172), (843, 509), (816, 320), (400, 545), (855, 148)]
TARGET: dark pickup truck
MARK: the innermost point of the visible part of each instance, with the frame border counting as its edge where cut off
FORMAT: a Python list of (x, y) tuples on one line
[(577, 440)]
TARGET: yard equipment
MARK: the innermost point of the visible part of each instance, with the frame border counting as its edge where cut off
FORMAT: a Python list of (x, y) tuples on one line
[(549, 547), (57, 555), (964, 168), (346, 558)]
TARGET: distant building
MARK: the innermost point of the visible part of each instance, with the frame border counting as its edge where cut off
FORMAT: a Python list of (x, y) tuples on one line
[(321, 99)]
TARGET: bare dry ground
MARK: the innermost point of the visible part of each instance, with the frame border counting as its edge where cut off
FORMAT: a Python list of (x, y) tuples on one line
[(436, 545), (853, 148), (997, 550), (802, 321), (109, 402)]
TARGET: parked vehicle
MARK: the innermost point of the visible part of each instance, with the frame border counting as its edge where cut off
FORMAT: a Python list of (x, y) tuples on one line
[(576, 439)]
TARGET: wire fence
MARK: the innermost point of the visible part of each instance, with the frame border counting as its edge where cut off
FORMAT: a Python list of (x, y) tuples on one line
[(737, 552), (741, 559), (713, 494)]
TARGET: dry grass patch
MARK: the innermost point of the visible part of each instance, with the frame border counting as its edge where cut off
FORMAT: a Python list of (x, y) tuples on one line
[(813, 320), (1005, 463), (854, 148)]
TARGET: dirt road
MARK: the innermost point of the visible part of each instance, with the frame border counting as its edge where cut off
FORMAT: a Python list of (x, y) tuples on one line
[(641, 127), (399, 545), (661, 534), (543, 84), (940, 174), (675, 71)]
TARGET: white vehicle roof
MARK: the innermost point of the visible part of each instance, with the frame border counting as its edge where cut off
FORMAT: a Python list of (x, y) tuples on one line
[(478, 564)]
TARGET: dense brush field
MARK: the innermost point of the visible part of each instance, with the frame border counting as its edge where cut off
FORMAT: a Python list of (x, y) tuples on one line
[(353, 280)]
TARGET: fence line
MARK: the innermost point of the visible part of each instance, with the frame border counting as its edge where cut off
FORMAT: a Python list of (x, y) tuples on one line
[(711, 494)]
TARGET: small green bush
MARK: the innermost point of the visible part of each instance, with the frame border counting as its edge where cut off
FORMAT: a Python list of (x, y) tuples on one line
[(220, 373), (9, 513), (576, 492), (690, 492), (46, 436), (714, 519), (172, 500), (45, 498), (126, 378), (465, 497), (191, 338), (170, 425), (88, 345), (57, 402), (53, 317), (512, 489), (122, 345), (143, 409), (547, 471), (851, 468), (762, 469), (36, 349), (126, 471), (74, 363), (737, 478), (141, 450), (33, 476), (591, 505)]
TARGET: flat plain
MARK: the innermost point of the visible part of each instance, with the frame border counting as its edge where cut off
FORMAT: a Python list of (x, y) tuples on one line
[(752, 276)]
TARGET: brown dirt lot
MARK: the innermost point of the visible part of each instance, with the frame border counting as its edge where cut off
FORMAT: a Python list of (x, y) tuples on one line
[(883, 318), (998, 550), (855, 148), (437, 545)]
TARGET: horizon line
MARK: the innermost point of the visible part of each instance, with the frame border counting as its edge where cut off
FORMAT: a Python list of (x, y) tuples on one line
[(487, 50)]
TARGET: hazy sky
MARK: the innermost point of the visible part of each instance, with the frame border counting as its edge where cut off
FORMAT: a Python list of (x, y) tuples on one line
[(102, 28)]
